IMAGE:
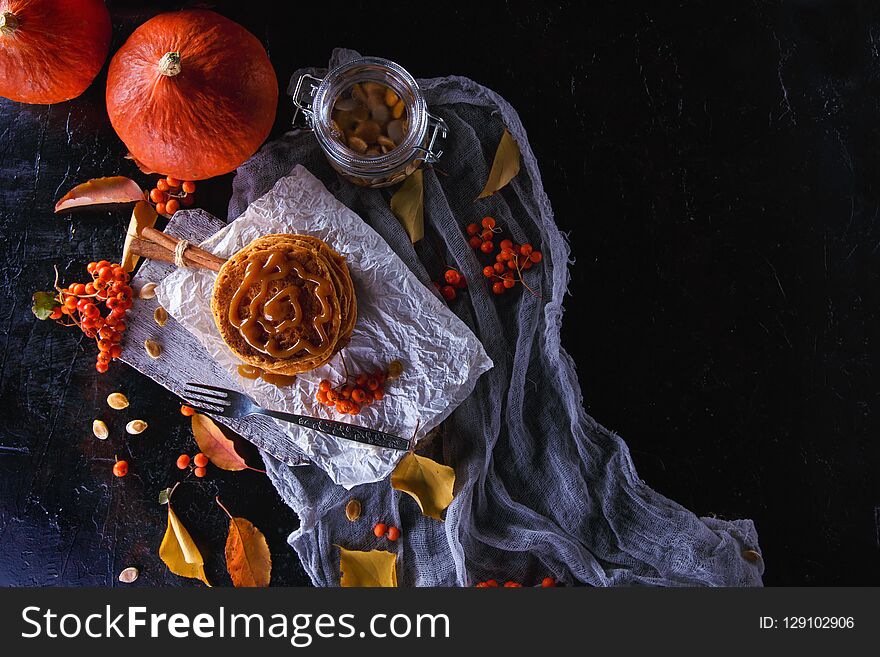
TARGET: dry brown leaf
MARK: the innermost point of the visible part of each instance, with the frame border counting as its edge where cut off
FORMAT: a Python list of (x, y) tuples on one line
[(376, 568), (408, 205), (429, 483), (504, 167), (114, 190), (179, 551), (143, 216), (215, 445), (247, 554)]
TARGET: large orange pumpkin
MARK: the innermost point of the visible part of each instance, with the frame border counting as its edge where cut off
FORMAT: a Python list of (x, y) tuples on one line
[(51, 50), (192, 94)]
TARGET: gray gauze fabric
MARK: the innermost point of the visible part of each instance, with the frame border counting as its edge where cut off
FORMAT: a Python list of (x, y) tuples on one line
[(541, 488)]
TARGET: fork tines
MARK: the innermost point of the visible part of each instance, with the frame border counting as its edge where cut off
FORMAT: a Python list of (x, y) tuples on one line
[(211, 399)]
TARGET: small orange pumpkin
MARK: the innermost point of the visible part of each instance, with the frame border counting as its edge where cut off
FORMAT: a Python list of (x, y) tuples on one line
[(51, 50), (192, 94)]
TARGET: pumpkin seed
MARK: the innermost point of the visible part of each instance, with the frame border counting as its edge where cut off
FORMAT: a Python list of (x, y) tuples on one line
[(355, 143), (395, 369), (99, 428), (353, 509), (161, 316), (117, 401), (129, 575), (135, 427), (147, 291), (751, 556), (153, 348)]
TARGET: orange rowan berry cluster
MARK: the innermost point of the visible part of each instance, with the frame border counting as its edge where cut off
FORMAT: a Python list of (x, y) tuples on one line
[(380, 529), (354, 392), (452, 280), (170, 194), (82, 304), (482, 234), (199, 464), (511, 260)]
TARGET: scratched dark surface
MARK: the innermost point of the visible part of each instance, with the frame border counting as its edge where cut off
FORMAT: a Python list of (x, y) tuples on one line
[(718, 174)]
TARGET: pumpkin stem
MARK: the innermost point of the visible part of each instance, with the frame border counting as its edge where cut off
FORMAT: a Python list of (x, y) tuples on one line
[(170, 64), (8, 22)]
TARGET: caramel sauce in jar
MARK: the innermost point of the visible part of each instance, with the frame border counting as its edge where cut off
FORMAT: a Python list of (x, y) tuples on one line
[(271, 315)]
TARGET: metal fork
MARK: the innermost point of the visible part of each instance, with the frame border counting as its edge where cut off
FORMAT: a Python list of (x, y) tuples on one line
[(230, 403)]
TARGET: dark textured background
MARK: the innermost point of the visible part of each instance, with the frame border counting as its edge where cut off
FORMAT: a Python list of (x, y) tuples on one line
[(716, 169)]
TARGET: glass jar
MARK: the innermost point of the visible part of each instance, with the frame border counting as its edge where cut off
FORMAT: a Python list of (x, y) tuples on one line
[(316, 99)]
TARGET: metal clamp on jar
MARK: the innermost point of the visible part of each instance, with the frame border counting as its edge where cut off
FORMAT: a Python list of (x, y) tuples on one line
[(371, 121)]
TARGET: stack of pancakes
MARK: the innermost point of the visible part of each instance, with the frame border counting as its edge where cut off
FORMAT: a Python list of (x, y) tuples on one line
[(317, 260)]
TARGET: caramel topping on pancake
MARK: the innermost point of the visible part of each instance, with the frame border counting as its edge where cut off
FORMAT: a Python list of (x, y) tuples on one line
[(270, 316)]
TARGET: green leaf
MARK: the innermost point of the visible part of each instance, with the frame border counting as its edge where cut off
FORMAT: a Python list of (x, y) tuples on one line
[(505, 166), (44, 304), (164, 496), (408, 205)]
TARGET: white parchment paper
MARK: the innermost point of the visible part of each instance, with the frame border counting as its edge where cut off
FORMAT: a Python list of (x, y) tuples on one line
[(398, 318)]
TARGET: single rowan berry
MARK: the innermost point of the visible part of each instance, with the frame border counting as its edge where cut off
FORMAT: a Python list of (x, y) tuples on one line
[(200, 460), (448, 292), (487, 246), (488, 222), (187, 411), (548, 582), (200, 472), (379, 529), (120, 468), (393, 533), (452, 277), (473, 229), (183, 461)]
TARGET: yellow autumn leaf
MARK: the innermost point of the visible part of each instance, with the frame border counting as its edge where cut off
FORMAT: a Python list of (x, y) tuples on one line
[(376, 568), (179, 551), (408, 205), (143, 216), (504, 167), (248, 559), (429, 482)]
